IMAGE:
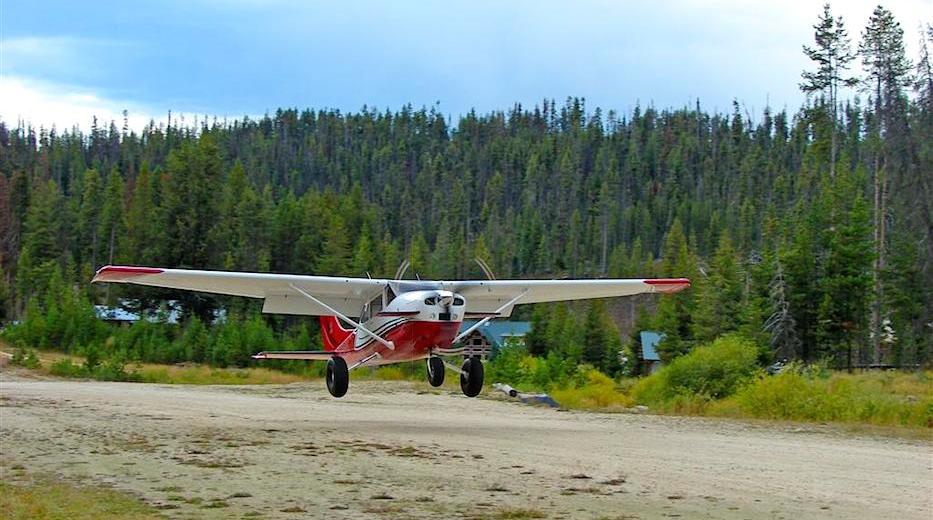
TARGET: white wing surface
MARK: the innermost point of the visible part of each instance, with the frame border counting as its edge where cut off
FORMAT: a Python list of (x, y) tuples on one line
[(347, 295), (486, 296)]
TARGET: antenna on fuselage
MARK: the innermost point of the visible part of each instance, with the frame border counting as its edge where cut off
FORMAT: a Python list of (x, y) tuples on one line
[(485, 267), (400, 272)]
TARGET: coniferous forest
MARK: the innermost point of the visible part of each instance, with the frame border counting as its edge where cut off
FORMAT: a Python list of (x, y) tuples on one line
[(809, 231)]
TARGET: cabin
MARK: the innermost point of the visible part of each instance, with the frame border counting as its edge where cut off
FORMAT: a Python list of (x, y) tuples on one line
[(118, 315), (168, 313), (650, 360), (491, 336)]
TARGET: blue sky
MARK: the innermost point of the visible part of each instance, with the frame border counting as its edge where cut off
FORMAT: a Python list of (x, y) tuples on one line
[(62, 61)]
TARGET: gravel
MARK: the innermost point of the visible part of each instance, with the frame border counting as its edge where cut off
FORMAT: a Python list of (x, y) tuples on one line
[(404, 450)]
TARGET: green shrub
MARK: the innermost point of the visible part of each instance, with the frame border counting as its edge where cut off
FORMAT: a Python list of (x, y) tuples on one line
[(593, 390), (114, 370), (26, 357), (507, 366), (65, 368), (708, 372)]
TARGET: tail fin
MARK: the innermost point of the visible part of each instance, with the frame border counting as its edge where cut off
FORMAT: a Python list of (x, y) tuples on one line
[(333, 333)]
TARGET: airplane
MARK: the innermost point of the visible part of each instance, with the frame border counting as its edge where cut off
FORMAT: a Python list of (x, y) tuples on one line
[(369, 321)]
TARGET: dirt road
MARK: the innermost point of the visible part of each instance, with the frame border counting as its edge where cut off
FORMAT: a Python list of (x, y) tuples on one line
[(388, 451)]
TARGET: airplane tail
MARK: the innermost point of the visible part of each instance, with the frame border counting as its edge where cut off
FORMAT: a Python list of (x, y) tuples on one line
[(333, 333)]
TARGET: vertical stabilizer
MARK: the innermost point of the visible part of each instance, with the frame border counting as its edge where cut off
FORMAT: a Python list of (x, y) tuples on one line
[(333, 333)]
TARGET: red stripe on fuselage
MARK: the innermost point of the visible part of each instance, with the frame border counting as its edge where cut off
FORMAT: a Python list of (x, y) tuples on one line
[(412, 340)]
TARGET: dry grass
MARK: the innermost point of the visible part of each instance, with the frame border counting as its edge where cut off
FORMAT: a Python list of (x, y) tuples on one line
[(186, 374), (206, 375), (884, 399), (391, 373)]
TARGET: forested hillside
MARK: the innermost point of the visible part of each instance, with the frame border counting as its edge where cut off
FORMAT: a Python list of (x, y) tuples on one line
[(808, 230)]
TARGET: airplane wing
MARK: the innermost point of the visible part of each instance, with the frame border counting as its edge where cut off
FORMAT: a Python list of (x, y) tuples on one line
[(347, 295), (486, 296)]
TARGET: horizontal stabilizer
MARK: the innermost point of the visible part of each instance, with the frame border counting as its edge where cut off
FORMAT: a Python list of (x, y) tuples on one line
[(309, 355)]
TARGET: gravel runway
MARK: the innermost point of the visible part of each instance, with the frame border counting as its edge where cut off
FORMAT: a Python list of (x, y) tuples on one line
[(403, 450)]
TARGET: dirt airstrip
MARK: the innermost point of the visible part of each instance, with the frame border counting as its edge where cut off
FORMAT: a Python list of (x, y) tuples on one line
[(400, 450)]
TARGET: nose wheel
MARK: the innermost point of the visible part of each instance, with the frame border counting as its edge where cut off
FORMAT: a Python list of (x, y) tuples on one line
[(471, 377), (338, 377), (435, 371)]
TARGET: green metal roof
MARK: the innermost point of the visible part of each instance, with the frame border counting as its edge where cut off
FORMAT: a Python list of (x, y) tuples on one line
[(497, 332), (649, 344)]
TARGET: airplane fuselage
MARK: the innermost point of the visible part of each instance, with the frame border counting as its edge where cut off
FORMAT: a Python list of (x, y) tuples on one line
[(415, 322)]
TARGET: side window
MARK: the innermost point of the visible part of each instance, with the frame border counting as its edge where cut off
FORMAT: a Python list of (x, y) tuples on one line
[(371, 308), (389, 295)]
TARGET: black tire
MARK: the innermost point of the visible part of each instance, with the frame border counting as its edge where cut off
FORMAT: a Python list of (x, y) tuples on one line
[(338, 377), (471, 380), (435, 371)]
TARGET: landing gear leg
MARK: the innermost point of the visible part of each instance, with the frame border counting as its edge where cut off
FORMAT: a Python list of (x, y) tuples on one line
[(471, 378), (435, 371), (338, 376)]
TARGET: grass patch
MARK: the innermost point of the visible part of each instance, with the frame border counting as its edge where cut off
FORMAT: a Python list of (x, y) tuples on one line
[(69, 366), (216, 504), (206, 375), (50, 362), (51, 499), (879, 399), (517, 513), (391, 373)]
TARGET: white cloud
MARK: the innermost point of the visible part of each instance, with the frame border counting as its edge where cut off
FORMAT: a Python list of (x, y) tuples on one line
[(45, 104)]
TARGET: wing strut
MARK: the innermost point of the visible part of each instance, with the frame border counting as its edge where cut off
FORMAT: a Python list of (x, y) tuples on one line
[(481, 322), (388, 344)]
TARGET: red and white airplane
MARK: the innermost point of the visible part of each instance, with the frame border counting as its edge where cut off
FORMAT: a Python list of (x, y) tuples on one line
[(387, 321)]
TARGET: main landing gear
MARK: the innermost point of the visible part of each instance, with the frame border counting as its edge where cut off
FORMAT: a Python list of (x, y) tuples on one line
[(435, 371), (338, 376), (471, 377)]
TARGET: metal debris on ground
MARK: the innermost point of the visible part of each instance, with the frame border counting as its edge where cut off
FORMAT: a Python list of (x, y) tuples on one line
[(526, 397)]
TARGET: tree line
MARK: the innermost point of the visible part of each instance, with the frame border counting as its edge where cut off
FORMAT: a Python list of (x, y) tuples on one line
[(810, 231)]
